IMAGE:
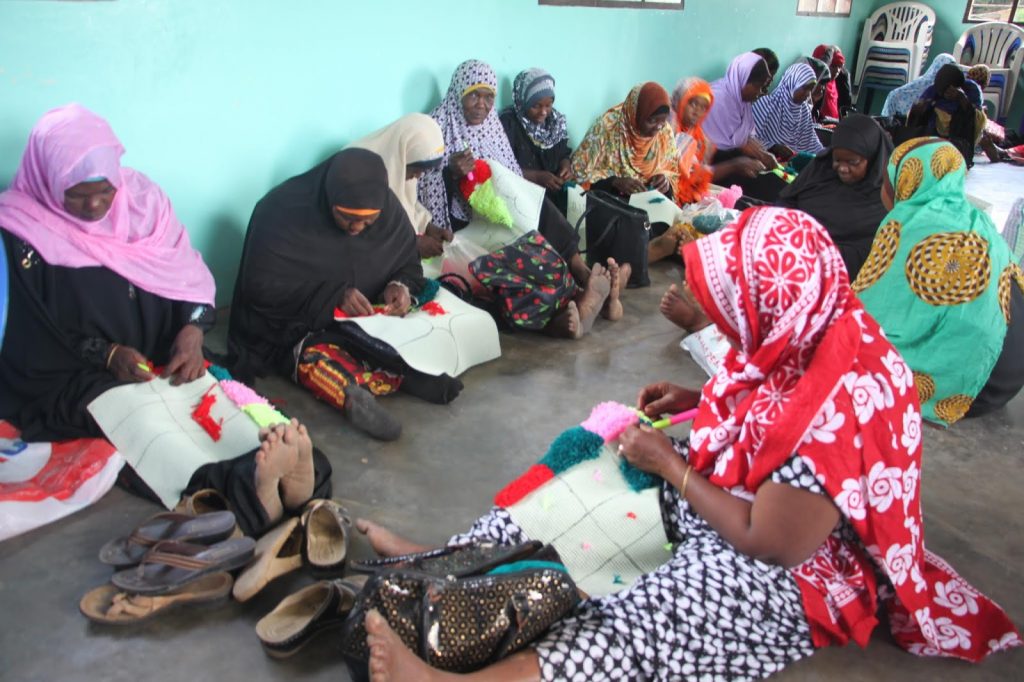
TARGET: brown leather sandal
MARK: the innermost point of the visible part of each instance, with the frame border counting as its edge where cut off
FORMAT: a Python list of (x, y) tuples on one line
[(111, 606)]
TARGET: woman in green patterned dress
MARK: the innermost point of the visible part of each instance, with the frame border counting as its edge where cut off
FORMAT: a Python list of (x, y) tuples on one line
[(941, 281)]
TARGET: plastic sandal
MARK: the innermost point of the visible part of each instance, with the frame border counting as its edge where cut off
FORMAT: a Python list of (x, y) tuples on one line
[(111, 606), (170, 566), (205, 529)]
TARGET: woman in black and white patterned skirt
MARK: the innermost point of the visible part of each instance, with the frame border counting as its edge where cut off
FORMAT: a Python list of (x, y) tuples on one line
[(794, 507)]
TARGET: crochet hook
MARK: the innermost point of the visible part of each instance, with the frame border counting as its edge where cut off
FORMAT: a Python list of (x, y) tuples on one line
[(686, 416)]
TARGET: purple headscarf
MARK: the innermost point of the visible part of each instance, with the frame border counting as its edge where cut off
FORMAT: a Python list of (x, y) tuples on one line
[(731, 121), (139, 238), (486, 140)]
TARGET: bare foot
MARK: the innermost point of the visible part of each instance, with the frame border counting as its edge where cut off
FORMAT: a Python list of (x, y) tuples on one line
[(662, 247), (274, 459), (579, 270), (385, 542), (680, 308), (612, 308), (297, 484), (391, 660), (594, 296), (566, 324)]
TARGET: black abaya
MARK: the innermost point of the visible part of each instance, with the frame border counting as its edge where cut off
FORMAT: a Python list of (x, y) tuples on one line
[(61, 323)]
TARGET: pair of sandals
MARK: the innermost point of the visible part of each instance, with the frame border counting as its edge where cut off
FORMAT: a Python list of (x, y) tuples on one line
[(317, 538), (169, 560)]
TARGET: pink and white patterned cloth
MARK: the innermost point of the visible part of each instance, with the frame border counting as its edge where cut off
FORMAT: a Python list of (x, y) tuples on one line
[(815, 375)]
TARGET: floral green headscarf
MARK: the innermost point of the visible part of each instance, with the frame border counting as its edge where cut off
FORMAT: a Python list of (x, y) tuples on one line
[(938, 279)]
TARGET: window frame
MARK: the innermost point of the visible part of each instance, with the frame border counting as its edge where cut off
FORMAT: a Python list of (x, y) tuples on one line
[(1016, 6), (617, 4), (834, 15)]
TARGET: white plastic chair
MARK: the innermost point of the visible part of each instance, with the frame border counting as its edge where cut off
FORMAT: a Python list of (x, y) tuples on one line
[(999, 46), (894, 45)]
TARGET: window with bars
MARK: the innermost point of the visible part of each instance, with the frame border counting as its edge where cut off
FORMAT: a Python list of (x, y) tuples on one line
[(635, 4), (994, 10)]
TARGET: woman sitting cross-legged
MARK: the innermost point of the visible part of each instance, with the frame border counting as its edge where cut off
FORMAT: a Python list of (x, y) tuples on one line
[(779, 547), (842, 187), (538, 135), (335, 237), (105, 286), (472, 131), (942, 282)]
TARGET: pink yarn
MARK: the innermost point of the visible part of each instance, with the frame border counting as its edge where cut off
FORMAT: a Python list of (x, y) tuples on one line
[(610, 419), (241, 394), (729, 197)]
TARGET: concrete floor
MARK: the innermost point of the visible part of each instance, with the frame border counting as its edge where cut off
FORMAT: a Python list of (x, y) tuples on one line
[(442, 474)]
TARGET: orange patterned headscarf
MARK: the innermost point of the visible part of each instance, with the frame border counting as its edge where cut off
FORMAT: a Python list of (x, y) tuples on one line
[(693, 145), (613, 147)]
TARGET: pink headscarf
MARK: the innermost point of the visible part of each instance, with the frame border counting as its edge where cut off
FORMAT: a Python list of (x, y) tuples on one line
[(139, 238)]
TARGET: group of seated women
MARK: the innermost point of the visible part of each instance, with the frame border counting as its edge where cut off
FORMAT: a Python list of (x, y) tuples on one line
[(825, 381)]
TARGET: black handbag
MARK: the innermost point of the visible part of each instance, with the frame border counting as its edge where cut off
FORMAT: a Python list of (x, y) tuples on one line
[(459, 611), (617, 230)]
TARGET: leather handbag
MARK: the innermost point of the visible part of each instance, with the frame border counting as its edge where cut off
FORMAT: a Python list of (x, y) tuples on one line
[(617, 230), (465, 620), (528, 279)]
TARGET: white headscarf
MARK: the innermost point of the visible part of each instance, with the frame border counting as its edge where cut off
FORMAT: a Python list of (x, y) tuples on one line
[(413, 138)]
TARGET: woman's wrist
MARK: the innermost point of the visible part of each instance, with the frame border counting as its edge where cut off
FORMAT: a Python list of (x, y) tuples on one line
[(111, 353)]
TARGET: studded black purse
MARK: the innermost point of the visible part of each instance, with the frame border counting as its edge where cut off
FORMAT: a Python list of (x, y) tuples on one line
[(461, 624)]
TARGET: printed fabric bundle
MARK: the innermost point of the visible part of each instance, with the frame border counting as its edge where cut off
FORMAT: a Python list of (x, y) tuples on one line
[(528, 278)]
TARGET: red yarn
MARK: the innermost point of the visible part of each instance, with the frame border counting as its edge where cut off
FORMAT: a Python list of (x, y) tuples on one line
[(480, 174), (340, 314), (535, 477), (433, 308), (201, 414)]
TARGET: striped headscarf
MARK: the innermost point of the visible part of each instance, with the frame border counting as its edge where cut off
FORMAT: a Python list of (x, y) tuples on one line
[(780, 120), (530, 87)]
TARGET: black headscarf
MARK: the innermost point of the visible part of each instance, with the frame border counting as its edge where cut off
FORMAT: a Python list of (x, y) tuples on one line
[(948, 75), (850, 213), (297, 263)]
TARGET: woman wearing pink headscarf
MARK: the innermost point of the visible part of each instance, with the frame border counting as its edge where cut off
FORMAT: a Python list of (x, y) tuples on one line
[(104, 284), (103, 279)]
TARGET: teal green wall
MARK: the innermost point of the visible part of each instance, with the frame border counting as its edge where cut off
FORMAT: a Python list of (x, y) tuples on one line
[(218, 100)]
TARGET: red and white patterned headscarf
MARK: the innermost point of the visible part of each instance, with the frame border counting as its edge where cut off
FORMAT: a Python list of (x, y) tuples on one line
[(814, 374)]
